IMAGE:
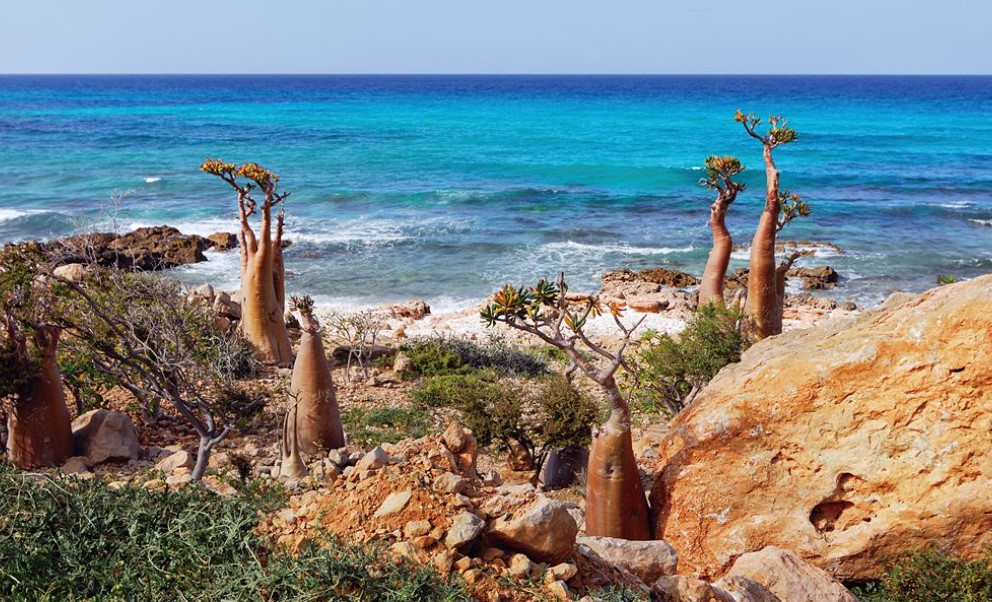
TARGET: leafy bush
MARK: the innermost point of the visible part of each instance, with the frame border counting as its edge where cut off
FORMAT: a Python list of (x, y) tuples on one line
[(489, 408), (672, 371), (932, 576), (70, 540), (439, 356), (943, 279), (367, 427), (557, 416), (565, 415)]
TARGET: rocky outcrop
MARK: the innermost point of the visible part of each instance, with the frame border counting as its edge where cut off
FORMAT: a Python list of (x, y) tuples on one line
[(147, 249), (789, 578), (649, 291), (223, 241), (848, 444), (815, 278), (646, 560), (415, 310), (540, 528), (105, 435)]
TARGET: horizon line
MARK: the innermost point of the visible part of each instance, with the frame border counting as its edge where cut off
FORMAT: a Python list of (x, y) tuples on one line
[(483, 74)]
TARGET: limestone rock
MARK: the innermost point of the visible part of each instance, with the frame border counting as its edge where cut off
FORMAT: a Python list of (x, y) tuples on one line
[(402, 363), (74, 272), (394, 502), (454, 437), (179, 459), (75, 465), (541, 528), (646, 560), (415, 310), (789, 577), (521, 566), (450, 483), (746, 590), (848, 443), (102, 435), (375, 459), (465, 528), (683, 588)]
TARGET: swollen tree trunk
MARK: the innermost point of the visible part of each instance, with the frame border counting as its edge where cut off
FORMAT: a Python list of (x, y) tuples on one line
[(39, 428), (711, 287), (318, 419), (762, 290), (292, 465), (615, 501), (262, 321)]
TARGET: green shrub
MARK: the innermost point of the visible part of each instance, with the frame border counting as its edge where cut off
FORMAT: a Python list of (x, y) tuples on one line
[(932, 576), (672, 371), (565, 415), (367, 427), (489, 408), (943, 279), (556, 416), (439, 356), (69, 540)]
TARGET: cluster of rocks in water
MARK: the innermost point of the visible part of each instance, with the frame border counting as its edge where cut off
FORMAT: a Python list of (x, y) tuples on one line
[(146, 249)]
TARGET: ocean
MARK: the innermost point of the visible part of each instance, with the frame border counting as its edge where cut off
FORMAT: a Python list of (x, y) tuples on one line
[(445, 187)]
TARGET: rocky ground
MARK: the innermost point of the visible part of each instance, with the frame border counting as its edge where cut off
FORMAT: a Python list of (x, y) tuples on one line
[(823, 454)]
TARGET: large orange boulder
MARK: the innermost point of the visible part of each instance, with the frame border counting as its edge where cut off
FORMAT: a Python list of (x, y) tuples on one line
[(846, 444)]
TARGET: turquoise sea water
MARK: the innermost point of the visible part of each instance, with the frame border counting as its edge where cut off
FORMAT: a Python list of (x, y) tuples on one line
[(445, 187)]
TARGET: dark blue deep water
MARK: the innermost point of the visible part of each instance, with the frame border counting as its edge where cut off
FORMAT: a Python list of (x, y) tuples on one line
[(444, 187)]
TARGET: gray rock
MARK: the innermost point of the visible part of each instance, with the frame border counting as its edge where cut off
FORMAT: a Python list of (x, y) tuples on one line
[(541, 528), (179, 459), (450, 483), (465, 528), (746, 590), (375, 459), (394, 502), (646, 560), (103, 435), (75, 465)]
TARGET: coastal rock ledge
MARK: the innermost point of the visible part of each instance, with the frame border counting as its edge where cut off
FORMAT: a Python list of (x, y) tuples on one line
[(847, 444)]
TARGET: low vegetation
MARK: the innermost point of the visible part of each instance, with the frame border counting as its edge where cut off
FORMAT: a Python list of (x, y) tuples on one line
[(368, 427), (932, 576), (68, 540), (672, 370), (440, 356)]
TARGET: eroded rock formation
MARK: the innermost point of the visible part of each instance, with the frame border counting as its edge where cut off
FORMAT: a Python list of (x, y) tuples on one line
[(847, 444)]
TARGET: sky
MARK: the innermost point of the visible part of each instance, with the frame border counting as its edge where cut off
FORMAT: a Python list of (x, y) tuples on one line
[(505, 36)]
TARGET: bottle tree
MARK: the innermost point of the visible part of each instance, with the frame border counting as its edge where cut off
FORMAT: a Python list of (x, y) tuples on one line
[(262, 274), (38, 426), (615, 501), (763, 305), (316, 414), (720, 173)]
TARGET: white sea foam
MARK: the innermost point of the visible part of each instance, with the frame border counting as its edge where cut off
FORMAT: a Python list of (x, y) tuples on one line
[(953, 205), (819, 252), (9, 214), (573, 247), (981, 222), (152, 180)]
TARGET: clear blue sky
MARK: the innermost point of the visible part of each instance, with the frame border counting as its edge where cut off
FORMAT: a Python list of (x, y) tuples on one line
[(504, 36)]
